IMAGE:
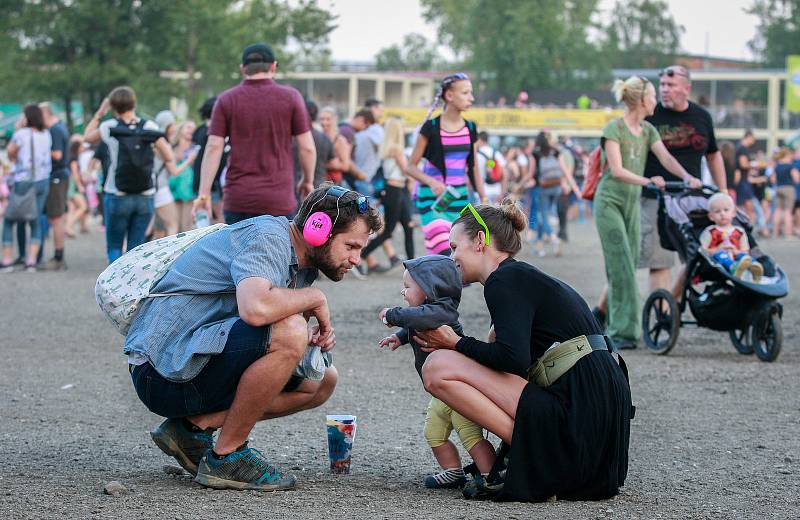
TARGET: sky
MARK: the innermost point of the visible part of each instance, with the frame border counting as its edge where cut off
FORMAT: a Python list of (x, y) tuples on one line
[(365, 27)]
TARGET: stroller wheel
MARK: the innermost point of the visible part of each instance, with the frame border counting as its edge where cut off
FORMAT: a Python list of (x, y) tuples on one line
[(661, 322), (766, 335), (741, 341)]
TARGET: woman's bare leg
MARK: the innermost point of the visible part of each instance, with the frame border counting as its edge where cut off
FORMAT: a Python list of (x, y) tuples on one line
[(169, 216), (484, 396)]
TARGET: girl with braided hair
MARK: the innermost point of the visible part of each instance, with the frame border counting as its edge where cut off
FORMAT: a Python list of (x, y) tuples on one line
[(447, 142)]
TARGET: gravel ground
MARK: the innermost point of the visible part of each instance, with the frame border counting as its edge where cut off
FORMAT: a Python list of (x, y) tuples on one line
[(716, 433)]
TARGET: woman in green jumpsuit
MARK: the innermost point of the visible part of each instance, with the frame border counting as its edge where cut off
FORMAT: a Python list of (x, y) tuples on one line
[(626, 141)]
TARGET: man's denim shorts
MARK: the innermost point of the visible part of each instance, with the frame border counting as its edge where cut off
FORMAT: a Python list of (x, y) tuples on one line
[(214, 387)]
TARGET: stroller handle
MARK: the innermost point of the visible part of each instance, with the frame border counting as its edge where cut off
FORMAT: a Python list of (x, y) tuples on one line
[(675, 187)]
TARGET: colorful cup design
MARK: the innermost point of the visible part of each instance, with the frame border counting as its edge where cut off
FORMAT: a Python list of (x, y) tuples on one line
[(445, 199), (341, 433)]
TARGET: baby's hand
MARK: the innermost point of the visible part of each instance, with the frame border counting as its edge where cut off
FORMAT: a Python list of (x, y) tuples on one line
[(391, 341), (382, 316)]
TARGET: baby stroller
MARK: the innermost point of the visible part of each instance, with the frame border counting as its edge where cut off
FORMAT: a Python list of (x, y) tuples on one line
[(748, 311)]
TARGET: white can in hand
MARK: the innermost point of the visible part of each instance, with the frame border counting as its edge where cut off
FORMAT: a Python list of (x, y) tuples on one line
[(201, 219)]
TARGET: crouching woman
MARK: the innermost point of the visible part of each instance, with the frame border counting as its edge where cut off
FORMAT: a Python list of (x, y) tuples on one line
[(546, 382)]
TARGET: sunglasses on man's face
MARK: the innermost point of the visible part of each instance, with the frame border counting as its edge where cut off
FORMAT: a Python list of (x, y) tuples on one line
[(477, 216), (669, 72)]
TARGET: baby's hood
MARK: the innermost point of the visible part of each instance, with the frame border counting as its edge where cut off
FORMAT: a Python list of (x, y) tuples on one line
[(437, 276)]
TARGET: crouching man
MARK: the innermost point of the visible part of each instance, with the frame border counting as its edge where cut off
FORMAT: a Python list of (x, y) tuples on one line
[(221, 352)]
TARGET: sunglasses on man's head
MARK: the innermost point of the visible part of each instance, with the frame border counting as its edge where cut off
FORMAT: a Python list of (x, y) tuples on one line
[(337, 192), (671, 72), (477, 216)]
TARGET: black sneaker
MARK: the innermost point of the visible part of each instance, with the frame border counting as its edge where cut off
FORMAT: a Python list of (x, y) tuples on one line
[(480, 488), (624, 344), (185, 446), (245, 468), (54, 265)]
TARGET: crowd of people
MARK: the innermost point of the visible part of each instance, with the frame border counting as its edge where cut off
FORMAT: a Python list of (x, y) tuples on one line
[(243, 330)]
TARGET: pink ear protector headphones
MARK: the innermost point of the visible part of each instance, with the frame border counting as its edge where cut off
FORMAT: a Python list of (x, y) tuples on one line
[(318, 226)]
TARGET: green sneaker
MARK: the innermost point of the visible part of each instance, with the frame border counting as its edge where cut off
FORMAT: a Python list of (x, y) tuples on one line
[(185, 446), (245, 468)]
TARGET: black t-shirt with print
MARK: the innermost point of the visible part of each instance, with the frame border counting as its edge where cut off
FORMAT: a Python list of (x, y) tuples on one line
[(688, 135)]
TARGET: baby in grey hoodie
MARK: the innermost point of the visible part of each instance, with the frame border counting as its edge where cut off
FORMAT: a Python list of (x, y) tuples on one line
[(432, 290)]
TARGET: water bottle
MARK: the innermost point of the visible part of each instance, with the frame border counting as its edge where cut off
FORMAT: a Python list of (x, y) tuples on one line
[(445, 199), (201, 219)]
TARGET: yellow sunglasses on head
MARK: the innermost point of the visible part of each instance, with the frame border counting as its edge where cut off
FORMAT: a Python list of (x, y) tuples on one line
[(475, 214)]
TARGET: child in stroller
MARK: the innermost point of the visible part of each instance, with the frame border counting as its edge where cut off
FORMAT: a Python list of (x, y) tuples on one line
[(726, 243), (718, 300)]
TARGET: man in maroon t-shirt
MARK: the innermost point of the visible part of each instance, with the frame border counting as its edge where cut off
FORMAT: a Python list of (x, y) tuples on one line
[(260, 118)]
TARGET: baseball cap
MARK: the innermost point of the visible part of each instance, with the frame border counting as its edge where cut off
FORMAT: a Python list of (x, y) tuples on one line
[(164, 119), (257, 53)]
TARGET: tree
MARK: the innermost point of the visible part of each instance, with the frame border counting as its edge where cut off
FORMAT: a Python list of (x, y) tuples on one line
[(778, 32), (642, 34), (415, 53), (520, 45), (79, 49)]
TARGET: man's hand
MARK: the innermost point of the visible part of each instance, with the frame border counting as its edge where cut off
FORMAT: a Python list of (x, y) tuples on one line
[(324, 343), (393, 342), (694, 182), (659, 181), (323, 315), (202, 202), (442, 338), (304, 188)]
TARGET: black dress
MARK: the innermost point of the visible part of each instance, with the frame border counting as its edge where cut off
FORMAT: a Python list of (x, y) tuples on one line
[(571, 438)]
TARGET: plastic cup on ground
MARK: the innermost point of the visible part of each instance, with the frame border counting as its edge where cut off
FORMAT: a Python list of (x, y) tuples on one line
[(341, 433)]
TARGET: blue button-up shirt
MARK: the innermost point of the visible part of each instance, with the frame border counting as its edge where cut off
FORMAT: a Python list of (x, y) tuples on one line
[(178, 334)]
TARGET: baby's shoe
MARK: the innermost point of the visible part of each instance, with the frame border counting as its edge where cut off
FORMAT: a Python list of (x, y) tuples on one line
[(446, 479), (741, 266), (757, 270)]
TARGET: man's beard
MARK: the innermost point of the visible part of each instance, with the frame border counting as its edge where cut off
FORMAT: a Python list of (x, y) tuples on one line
[(320, 258)]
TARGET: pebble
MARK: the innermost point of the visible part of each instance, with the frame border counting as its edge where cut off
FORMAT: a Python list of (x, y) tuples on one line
[(115, 489)]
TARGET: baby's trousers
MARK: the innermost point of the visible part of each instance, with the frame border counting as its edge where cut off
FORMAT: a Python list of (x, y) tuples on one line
[(440, 422)]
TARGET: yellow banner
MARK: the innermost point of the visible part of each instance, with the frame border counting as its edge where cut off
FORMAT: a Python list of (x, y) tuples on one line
[(519, 117), (793, 83)]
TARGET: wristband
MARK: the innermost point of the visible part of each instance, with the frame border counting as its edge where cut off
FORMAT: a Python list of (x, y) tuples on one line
[(203, 198)]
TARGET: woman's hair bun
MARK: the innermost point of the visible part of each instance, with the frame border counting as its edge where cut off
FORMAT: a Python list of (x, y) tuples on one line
[(514, 214), (619, 89)]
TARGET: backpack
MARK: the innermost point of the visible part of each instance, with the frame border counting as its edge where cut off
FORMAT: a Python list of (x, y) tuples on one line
[(593, 173), (494, 172), (128, 280), (134, 173), (549, 169)]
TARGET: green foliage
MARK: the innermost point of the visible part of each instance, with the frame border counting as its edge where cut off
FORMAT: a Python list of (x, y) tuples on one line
[(416, 53), (518, 45), (642, 34), (778, 30), (66, 50), (546, 44)]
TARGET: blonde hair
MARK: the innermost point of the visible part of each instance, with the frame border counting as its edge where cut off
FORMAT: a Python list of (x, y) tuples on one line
[(177, 137), (783, 152), (630, 91), (394, 138), (718, 198)]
